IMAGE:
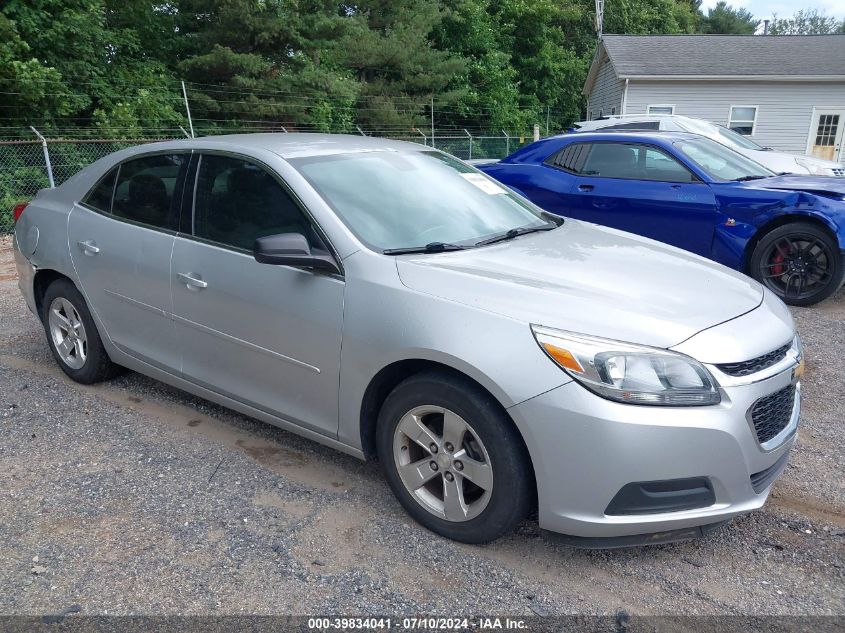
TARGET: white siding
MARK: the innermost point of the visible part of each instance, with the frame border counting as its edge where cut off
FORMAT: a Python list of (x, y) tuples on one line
[(784, 113), (606, 93)]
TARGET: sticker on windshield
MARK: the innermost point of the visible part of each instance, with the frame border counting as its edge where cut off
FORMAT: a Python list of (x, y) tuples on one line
[(486, 185)]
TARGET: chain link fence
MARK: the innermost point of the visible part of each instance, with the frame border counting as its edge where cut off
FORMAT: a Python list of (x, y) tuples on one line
[(24, 167)]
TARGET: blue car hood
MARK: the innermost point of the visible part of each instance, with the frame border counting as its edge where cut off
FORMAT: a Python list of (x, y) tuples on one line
[(819, 185)]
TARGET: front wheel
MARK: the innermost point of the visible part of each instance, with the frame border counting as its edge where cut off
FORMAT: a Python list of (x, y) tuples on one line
[(800, 262), (454, 459)]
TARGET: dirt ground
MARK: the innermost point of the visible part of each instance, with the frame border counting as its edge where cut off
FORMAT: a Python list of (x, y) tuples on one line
[(133, 498)]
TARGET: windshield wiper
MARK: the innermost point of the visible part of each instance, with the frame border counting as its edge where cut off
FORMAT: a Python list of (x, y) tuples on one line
[(746, 178), (432, 247), (509, 235)]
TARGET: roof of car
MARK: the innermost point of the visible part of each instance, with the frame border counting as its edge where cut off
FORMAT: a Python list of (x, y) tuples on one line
[(295, 145), (627, 135)]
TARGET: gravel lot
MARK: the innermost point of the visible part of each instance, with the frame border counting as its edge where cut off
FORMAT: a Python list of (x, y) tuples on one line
[(134, 498)]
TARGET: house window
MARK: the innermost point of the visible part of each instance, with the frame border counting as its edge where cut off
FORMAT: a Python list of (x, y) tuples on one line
[(661, 108), (743, 119), (613, 111)]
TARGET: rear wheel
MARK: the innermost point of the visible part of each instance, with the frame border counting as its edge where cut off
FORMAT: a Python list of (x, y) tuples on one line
[(453, 458), (800, 262), (72, 334)]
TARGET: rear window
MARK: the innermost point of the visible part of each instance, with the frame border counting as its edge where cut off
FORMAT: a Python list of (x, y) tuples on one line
[(640, 125)]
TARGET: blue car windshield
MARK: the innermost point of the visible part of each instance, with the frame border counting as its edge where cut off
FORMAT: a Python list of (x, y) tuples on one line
[(397, 200), (719, 162)]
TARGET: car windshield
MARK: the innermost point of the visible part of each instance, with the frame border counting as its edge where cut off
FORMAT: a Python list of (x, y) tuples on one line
[(399, 200), (719, 133), (721, 162)]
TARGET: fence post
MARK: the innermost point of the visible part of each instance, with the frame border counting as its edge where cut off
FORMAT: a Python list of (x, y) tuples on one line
[(536, 132), (188, 109), (425, 138), (432, 120), (507, 143), (46, 157), (470, 143)]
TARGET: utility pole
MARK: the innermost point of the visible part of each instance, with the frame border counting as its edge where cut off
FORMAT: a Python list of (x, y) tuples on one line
[(599, 17), (547, 119), (188, 110)]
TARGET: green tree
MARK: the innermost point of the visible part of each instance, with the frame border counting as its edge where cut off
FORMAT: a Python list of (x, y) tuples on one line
[(88, 63), (650, 17), (805, 22), (725, 19)]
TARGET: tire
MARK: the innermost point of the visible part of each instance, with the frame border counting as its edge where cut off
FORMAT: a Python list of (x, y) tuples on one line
[(490, 448), (85, 360), (799, 262)]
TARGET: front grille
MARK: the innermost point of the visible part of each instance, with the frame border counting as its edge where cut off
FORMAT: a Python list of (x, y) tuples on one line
[(748, 367), (771, 414)]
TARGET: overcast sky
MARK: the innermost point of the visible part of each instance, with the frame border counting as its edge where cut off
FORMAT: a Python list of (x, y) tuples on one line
[(763, 9)]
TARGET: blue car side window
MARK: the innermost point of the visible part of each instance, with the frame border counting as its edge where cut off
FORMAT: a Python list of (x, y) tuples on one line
[(627, 161), (571, 158)]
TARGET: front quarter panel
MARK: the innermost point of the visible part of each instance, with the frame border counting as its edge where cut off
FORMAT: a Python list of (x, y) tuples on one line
[(744, 211), (385, 322)]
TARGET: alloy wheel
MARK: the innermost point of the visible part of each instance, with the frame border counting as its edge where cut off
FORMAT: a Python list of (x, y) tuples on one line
[(68, 333), (797, 266), (443, 463)]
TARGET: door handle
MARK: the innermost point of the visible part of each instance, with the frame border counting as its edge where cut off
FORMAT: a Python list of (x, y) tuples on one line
[(585, 187), (89, 246), (192, 281)]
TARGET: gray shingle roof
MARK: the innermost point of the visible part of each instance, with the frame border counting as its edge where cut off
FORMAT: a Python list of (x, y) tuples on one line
[(726, 55)]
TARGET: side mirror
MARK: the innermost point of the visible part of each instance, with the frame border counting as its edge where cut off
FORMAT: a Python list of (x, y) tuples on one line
[(291, 249)]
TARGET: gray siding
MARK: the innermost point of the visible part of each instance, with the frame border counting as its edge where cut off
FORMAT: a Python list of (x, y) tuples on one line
[(606, 93), (785, 109)]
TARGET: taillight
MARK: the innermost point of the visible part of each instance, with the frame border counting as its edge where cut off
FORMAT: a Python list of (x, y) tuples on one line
[(17, 212)]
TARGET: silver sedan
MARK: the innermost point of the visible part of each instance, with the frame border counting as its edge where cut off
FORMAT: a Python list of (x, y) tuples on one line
[(390, 301)]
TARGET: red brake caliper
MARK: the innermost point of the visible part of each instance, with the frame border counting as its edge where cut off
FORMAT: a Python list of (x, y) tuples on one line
[(778, 259)]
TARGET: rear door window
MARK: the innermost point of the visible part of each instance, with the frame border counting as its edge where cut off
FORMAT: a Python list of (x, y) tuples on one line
[(100, 197), (149, 190), (571, 158)]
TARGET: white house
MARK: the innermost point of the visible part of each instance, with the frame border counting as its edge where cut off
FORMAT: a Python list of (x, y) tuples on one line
[(787, 92)]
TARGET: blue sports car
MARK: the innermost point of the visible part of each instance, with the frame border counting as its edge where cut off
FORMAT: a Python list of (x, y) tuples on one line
[(788, 232)]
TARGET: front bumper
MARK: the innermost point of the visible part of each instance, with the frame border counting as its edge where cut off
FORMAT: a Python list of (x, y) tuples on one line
[(585, 449)]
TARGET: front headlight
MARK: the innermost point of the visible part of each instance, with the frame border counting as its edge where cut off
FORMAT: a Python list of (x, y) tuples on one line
[(814, 168), (629, 373)]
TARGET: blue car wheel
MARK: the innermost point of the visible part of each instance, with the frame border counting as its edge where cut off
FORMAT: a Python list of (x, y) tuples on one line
[(799, 262)]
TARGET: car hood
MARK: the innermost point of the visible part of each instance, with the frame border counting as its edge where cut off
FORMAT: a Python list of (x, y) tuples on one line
[(819, 185), (589, 279)]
